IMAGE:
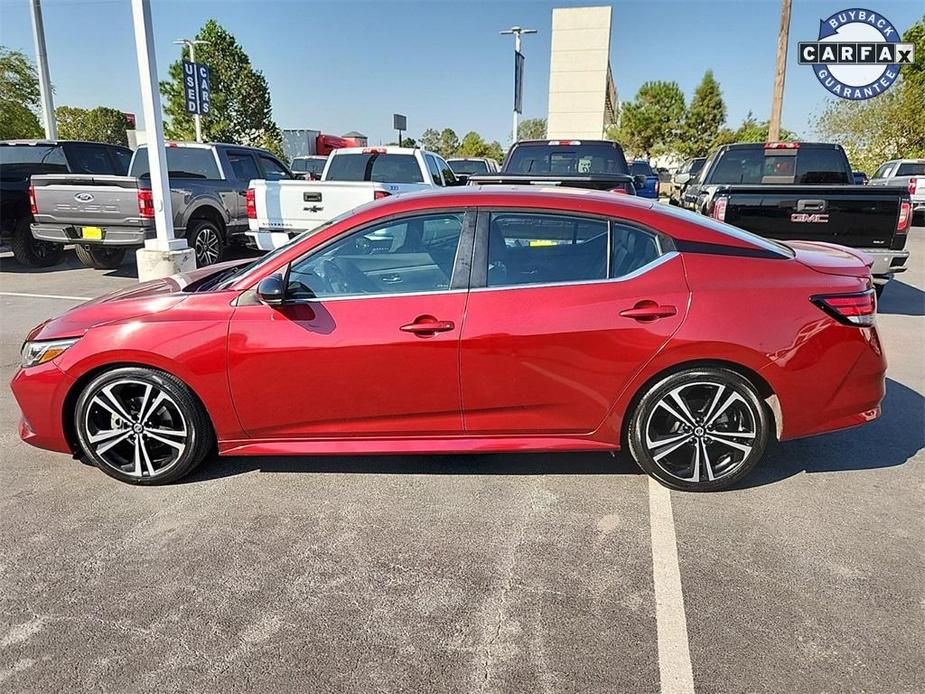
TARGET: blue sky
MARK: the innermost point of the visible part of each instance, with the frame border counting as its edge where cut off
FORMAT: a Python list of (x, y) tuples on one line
[(340, 66)]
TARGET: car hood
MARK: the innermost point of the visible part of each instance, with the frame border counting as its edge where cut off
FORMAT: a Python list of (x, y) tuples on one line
[(145, 299)]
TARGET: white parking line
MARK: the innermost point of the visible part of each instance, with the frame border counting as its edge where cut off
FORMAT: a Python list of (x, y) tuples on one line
[(674, 657), (47, 296)]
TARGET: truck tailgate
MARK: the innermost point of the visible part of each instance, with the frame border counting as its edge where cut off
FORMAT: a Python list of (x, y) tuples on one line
[(86, 199), (303, 205), (858, 216)]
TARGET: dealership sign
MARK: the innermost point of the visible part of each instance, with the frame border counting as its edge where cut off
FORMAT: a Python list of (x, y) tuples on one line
[(197, 88), (857, 54)]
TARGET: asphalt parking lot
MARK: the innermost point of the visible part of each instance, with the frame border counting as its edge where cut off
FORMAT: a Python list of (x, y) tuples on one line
[(505, 573)]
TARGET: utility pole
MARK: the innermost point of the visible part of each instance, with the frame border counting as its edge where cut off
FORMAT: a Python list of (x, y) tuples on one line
[(777, 100), (41, 58), (191, 45), (518, 74)]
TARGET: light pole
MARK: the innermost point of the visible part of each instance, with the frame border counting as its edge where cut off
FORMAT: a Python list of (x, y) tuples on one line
[(191, 45), (41, 58), (518, 74)]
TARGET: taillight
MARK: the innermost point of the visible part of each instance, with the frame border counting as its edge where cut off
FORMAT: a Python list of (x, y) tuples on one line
[(35, 210), (913, 186), (374, 150), (657, 184), (621, 190), (250, 202), (719, 209), (905, 214), (570, 143), (849, 309), (379, 194), (145, 204), (782, 145)]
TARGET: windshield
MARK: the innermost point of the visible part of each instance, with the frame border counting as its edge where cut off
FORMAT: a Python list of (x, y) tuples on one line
[(20, 161), (468, 166), (578, 160), (641, 168), (727, 229), (182, 162), (315, 166), (375, 166)]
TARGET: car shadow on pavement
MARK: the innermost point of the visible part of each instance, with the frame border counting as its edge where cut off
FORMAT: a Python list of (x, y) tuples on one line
[(888, 442), (901, 299)]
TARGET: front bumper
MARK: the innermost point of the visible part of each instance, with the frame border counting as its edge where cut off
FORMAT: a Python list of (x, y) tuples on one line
[(111, 236), (886, 263), (40, 392)]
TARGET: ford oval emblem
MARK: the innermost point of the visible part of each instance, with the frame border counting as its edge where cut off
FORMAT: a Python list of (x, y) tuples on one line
[(84, 197)]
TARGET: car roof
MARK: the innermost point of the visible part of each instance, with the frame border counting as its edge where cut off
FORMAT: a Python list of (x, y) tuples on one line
[(512, 195), (59, 142)]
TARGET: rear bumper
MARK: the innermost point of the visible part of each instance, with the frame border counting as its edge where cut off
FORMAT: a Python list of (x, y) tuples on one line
[(886, 263), (112, 236), (265, 240)]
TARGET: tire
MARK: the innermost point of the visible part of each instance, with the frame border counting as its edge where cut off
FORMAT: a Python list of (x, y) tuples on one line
[(673, 443), (100, 257), (160, 445), (207, 240), (32, 252)]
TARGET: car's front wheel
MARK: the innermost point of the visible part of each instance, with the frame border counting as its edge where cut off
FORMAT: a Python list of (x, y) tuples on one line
[(142, 426), (701, 429)]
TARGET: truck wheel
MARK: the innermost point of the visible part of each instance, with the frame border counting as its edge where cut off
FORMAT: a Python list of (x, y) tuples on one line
[(32, 252), (100, 257), (207, 241)]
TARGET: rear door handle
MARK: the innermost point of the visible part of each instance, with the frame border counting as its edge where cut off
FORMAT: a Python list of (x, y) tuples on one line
[(648, 311), (426, 326), (391, 279), (810, 205)]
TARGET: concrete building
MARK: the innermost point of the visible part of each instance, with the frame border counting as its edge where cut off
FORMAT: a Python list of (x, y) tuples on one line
[(582, 97)]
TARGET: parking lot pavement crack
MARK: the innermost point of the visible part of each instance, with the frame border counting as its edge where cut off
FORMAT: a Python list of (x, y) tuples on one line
[(507, 585)]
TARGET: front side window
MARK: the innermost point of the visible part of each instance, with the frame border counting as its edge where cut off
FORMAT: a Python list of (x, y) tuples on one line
[(883, 170), (525, 248), (448, 176), (434, 169), (407, 255), (272, 169)]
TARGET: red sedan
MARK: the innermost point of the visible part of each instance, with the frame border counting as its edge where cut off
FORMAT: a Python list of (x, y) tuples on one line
[(471, 320)]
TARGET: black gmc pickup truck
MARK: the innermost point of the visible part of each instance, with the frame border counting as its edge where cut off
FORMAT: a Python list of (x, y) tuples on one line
[(594, 164), (804, 191)]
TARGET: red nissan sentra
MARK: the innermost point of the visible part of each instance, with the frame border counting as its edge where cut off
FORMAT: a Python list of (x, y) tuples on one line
[(471, 320)]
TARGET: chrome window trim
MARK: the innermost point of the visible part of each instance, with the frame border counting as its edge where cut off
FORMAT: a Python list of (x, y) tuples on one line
[(633, 275), (352, 297)]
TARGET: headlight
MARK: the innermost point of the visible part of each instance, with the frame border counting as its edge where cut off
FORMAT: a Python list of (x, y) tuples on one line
[(35, 353)]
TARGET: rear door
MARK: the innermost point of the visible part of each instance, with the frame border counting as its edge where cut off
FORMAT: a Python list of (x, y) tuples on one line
[(563, 310)]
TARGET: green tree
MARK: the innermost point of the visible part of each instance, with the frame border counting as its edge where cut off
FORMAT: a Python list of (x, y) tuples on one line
[(19, 96), (474, 145), (101, 124), (651, 123), (704, 118), (430, 140), (532, 129), (887, 126), (753, 130), (449, 143), (240, 112)]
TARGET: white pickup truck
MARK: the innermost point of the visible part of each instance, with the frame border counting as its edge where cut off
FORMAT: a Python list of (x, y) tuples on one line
[(353, 176)]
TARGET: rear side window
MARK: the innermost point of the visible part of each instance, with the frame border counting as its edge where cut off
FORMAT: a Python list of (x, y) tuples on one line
[(243, 165), (911, 169), (88, 159), (182, 162), (528, 248), (375, 166)]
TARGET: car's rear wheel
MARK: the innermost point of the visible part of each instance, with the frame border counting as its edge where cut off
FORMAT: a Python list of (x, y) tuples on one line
[(32, 252), (142, 426), (207, 241), (699, 429), (100, 257)]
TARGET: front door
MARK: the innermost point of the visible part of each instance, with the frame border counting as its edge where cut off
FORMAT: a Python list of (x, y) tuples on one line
[(368, 344), (571, 308)]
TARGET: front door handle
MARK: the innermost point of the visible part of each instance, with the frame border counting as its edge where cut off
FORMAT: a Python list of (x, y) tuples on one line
[(648, 311), (426, 326)]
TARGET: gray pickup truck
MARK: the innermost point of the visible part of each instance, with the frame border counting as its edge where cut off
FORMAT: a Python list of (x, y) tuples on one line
[(907, 173), (104, 216)]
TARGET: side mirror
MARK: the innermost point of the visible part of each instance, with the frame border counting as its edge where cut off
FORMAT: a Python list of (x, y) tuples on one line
[(271, 290), (639, 181), (682, 178), (462, 179)]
